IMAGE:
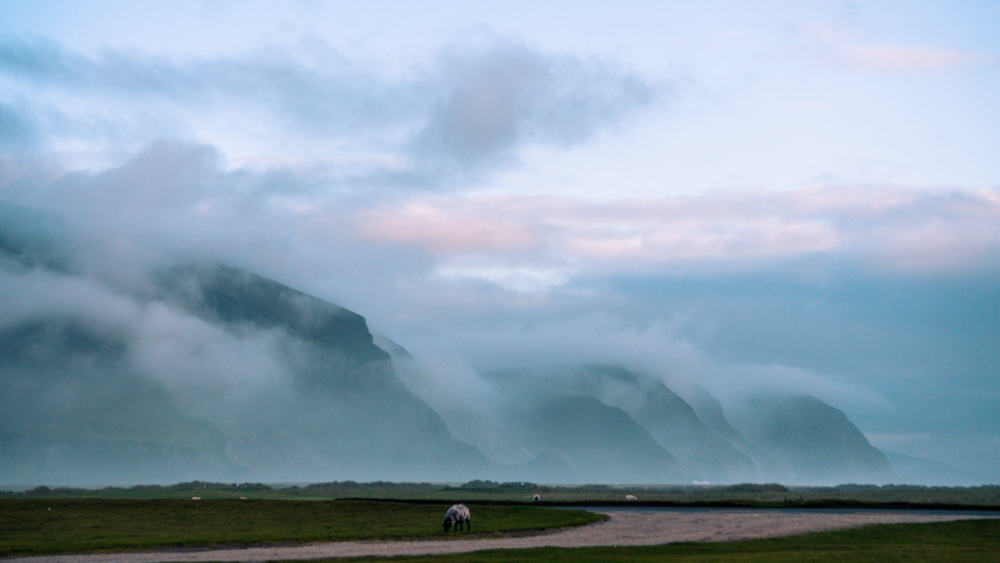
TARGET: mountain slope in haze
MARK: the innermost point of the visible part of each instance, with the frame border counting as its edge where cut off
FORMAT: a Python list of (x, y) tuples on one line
[(674, 424), (601, 443), (697, 451), (351, 412), (804, 440), (917, 470), (229, 295), (348, 415), (771, 438), (197, 371), (328, 407), (75, 413)]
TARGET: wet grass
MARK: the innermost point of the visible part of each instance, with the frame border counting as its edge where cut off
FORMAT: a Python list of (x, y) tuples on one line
[(40, 526), (54, 520)]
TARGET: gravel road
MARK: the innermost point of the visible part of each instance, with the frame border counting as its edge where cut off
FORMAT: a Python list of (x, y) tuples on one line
[(624, 527)]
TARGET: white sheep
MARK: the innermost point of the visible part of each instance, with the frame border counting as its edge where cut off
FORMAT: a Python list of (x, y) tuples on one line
[(456, 516), (536, 498), (631, 497)]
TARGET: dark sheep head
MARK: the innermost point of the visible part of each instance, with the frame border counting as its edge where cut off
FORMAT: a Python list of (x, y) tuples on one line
[(447, 524)]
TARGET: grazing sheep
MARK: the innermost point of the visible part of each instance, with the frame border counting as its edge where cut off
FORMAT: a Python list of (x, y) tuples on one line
[(631, 497), (536, 498), (456, 516)]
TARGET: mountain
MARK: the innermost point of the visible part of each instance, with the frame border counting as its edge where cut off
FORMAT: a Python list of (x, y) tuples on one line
[(710, 411), (601, 443), (599, 420), (197, 370), (75, 412), (351, 413), (917, 470), (695, 450), (235, 297), (671, 421), (804, 440)]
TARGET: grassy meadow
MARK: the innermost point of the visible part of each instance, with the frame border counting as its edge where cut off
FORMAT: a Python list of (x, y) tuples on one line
[(47, 520), (60, 525)]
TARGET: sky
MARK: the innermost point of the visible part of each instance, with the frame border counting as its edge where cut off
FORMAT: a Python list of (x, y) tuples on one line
[(771, 195)]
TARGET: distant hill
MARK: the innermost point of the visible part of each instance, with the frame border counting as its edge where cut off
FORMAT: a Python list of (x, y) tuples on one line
[(910, 469), (804, 440), (669, 419), (795, 439), (601, 443), (696, 451)]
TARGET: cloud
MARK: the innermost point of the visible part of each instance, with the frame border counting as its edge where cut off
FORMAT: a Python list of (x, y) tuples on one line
[(203, 367), (912, 59), (471, 227), (464, 111), (527, 280), (17, 131), (506, 94), (592, 337), (893, 58), (209, 372), (660, 349), (738, 382), (326, 93), (893, 227), (31, 295), (494, 279), (359, 186)]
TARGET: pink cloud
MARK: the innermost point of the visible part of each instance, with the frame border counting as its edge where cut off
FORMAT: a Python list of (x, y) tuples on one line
[(445, 227), (909, 59), (889, 57), (893, 226)]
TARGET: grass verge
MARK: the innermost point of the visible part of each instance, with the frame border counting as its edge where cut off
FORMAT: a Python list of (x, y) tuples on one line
[(45, 526)]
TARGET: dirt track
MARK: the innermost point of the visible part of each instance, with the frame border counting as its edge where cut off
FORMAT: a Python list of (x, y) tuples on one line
[(623, 528)]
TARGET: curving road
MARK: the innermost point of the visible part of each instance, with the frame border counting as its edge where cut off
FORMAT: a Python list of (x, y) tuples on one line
[(624, 527)]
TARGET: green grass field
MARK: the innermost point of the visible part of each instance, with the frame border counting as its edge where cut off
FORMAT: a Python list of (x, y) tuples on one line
[(971, 540), (37, 526), (45, 521)]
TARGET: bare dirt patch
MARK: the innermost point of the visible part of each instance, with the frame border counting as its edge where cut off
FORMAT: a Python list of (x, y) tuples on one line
[(623, 528)]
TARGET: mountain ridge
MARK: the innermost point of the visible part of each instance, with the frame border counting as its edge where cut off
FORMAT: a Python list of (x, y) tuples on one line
[(251, 379)]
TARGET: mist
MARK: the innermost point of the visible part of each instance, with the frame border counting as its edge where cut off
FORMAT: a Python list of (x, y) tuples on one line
[(219, 263), (127, 330)]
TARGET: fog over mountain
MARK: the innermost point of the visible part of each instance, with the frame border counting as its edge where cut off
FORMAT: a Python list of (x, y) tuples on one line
[(206, 372), (199, 370), (660, 242), (202, 370)]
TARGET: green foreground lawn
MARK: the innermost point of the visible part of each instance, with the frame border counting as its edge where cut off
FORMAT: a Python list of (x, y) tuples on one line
[(38, 526), (969, 540), (45, 526)]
